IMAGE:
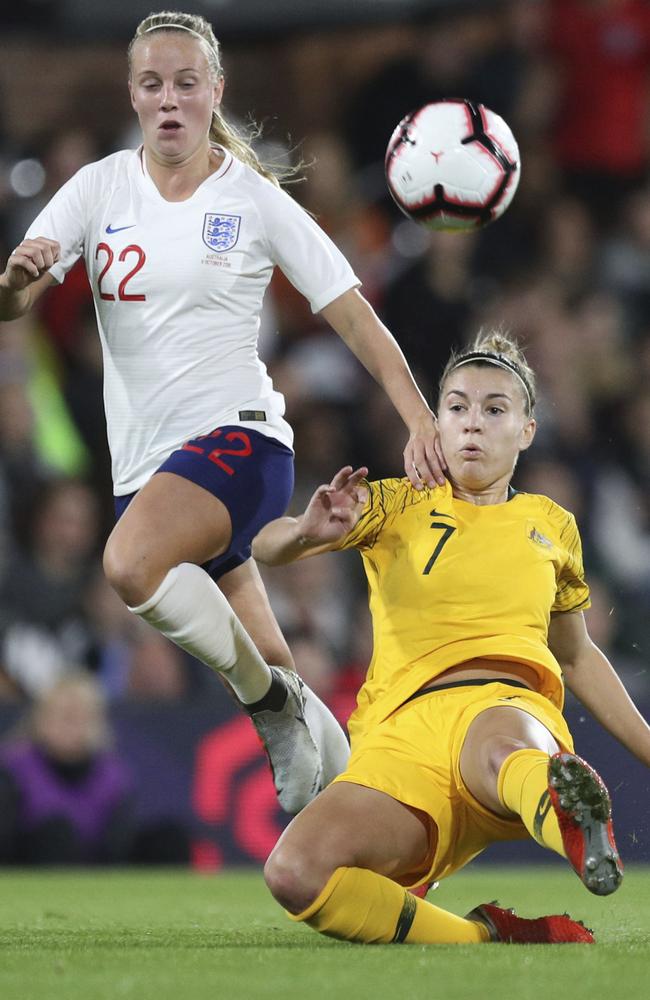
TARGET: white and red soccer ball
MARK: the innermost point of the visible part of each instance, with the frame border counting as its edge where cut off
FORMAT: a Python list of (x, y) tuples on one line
[(452, 165)]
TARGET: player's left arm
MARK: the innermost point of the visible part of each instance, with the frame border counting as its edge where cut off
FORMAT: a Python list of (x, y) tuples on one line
[(360, 328), (592, 679), (330, 515)]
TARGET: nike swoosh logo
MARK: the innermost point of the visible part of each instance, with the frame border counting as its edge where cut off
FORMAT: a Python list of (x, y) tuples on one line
[(439, 513), (110, 230), (542, 811)]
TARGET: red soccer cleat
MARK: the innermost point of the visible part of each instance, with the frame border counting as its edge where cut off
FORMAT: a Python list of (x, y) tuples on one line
[(584, 810), (421, 890), (505, 926)]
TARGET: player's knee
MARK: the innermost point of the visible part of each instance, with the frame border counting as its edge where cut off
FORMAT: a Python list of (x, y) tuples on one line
[(292, 879), (497, 751), (131, 576)]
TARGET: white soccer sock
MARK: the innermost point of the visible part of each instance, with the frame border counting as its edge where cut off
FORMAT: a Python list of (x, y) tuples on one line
[(328, 736), (189, 609)]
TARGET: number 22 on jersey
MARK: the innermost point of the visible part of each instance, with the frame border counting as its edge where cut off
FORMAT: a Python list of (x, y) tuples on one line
[(122, 293)]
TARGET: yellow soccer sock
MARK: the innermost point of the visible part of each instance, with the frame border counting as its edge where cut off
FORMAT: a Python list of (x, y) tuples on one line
[(523, 788), (360, 905)]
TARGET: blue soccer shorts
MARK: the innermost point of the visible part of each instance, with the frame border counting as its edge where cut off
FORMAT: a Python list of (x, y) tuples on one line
[(252, 475)]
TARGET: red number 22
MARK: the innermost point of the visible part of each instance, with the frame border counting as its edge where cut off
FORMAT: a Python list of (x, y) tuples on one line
[(215, 455), (122, 294)]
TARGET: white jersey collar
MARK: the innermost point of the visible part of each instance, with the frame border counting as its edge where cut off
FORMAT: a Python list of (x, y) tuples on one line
[(225, 168)]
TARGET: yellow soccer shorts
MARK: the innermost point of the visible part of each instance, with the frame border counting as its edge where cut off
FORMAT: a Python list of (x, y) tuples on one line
[(414, 755)]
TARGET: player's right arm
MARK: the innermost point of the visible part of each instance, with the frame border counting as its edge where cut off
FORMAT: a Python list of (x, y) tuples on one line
[(27, 275), (589, 675), (330, 515)]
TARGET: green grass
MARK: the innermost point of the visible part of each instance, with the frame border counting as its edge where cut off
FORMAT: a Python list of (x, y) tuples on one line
[(163, 935)]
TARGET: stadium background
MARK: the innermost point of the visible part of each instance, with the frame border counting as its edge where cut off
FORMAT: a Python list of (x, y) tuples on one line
[(566, 269)]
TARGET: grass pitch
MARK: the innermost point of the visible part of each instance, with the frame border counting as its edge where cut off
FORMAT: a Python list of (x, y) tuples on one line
[(156, 935)]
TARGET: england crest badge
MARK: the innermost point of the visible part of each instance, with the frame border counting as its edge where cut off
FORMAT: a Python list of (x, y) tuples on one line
[(221, 232)]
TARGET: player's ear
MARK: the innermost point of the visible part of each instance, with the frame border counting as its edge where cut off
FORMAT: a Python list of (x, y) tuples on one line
[(218, 92), (527, 434), (131, 96)]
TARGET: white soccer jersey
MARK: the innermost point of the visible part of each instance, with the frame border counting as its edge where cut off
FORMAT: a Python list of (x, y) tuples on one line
[(178, 290)]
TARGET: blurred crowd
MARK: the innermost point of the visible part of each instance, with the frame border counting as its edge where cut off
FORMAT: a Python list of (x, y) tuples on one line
[(567, 270)]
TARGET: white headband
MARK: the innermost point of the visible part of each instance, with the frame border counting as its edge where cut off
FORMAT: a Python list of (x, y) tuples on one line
[(493, 359), (176, 27)]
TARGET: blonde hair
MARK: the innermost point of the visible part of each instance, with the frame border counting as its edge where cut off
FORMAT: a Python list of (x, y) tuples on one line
[(235, 140), (495, 347)]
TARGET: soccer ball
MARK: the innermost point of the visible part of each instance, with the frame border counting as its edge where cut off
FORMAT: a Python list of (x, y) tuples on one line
[(452, 165)]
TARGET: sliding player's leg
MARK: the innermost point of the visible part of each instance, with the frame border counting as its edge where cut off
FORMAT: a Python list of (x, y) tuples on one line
[(396, 819), (335, 868), (513, 764), (339, 865)]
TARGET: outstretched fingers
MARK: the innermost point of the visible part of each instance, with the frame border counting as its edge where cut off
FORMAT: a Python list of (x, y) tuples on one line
[(335, 507), (347, 477), (345, 492)]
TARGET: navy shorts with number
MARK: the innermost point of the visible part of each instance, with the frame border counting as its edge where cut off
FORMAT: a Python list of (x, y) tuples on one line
[(252, 475)]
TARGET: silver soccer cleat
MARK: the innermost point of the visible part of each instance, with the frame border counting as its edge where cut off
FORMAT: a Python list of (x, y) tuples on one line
[(295, 760)]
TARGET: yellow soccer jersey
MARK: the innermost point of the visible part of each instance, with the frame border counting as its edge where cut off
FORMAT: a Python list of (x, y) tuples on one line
[(450, 581)]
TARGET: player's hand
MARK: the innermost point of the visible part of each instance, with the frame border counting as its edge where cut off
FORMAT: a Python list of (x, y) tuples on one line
[(29, 261), (334, 508), (424, 462)]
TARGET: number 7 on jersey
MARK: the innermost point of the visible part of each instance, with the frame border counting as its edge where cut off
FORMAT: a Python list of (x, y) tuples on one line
[(447, 532)]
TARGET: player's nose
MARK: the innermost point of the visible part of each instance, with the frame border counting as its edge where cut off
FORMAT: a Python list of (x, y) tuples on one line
[(473, 420), (168, 99)]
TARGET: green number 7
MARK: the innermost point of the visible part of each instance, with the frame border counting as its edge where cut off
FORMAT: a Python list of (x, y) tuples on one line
[(447, 532)]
